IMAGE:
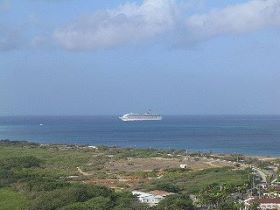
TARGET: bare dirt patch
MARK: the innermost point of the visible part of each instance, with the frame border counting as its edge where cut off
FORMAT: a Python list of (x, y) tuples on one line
[(158, 163)]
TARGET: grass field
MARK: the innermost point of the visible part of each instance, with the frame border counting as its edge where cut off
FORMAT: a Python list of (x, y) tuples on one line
[(12, 200), (58, 161)]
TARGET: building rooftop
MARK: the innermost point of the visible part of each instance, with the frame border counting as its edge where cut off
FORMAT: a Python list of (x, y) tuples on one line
[(265, 200), (160, 193)]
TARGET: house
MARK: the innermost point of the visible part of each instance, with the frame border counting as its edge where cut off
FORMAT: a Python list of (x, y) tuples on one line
[(265, 203), (147, 198), (151, 198), (271, 194), (92, 147), (184, 166)]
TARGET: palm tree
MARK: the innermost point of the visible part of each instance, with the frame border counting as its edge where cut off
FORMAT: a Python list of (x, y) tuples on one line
[(254, 206)]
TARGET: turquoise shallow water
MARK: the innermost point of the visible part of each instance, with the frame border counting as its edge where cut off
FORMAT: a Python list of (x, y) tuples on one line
[(259, 135)]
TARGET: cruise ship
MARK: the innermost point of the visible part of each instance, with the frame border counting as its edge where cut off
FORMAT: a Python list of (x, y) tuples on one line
[(140, 117)]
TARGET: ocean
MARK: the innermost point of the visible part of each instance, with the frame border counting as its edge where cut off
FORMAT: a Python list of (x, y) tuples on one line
[(254, 135)]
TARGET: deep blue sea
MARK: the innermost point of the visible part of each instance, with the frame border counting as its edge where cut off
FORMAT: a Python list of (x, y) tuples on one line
[(258, 135)]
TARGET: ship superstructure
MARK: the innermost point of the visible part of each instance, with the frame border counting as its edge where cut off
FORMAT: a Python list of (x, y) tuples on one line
[(140, 117)]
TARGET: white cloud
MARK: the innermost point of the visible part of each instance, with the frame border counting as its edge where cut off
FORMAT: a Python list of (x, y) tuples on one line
[(154, 18), (128, 23), (235, 19)]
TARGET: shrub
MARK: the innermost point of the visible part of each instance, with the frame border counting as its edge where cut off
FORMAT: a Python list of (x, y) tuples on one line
[(20, 162), (98, 203), (70, 195), (175, 202), (169, 187)]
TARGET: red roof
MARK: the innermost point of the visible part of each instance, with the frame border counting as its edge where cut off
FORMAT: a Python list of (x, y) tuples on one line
[(266, 200)]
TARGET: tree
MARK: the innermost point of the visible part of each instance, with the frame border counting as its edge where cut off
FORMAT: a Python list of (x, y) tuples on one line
[(98, 203), (230, 204), (254, 206), (69, 195), (167, 187), (176, 202), (218, 197), (125, 200), (211, 196)]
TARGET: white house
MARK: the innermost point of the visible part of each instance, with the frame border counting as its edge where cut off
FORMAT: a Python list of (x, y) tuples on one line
[(92, 147), (152, 198), (184, 166)]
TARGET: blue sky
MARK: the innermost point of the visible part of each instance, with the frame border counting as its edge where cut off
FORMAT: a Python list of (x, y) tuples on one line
[(70, 57)]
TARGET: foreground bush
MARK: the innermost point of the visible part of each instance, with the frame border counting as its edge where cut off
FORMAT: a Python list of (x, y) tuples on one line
[(176, 202)]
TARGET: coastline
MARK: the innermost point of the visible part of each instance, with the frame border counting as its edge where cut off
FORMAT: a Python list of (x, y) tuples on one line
[(167, 151)]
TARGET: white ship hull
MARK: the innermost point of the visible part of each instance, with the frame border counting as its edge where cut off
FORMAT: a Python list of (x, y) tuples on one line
[(140, 117)]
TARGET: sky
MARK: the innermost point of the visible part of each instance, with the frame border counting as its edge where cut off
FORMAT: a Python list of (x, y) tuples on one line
[(197, 57)]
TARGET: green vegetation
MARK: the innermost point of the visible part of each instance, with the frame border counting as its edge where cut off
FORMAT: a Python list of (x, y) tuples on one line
[(79, 196), (45, 177), (139, 153), (10, 199), (50, 192), (176, 202), (56, 159), (219, 197), (194, 181)]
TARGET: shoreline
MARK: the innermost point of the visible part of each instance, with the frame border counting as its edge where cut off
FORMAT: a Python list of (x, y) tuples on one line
[(170, 150)]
